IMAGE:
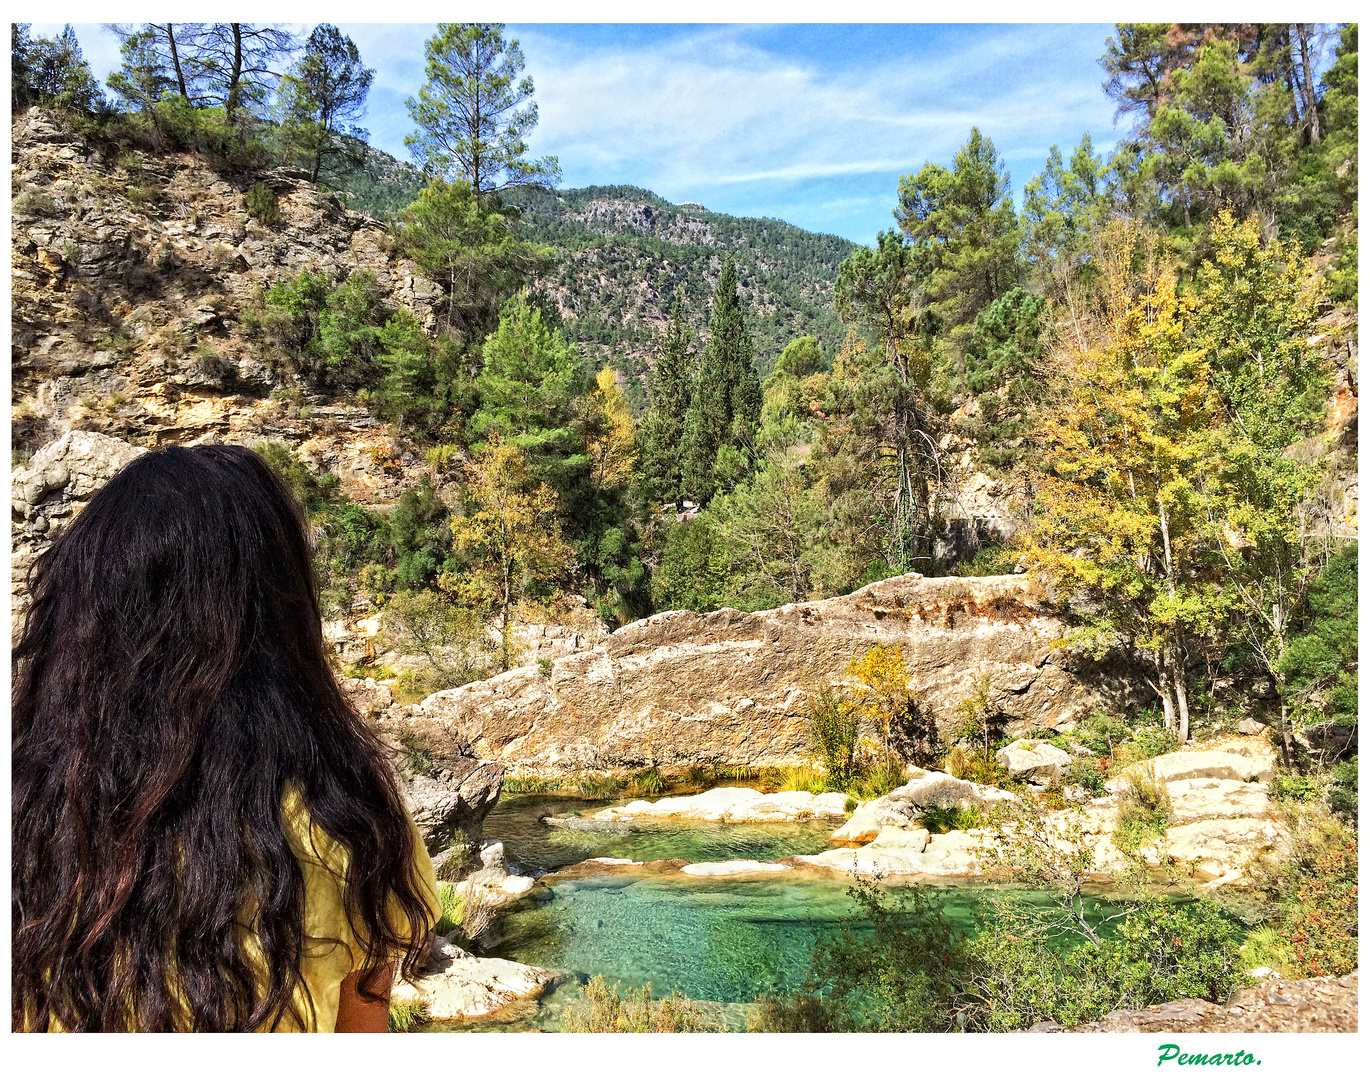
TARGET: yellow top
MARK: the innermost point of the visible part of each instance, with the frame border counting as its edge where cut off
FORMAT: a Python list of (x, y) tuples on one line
[(331, 950)]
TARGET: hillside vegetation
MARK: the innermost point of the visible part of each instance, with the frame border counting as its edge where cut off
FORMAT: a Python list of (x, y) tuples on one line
[(1140, 386)]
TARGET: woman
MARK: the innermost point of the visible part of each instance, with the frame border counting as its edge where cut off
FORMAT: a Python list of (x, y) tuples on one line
[(206, 835)]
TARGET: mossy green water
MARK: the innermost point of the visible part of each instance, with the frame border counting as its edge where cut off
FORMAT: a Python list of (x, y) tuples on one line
[(719, 940)]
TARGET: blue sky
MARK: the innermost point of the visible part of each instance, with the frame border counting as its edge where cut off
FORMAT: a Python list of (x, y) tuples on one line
[(813, 124)]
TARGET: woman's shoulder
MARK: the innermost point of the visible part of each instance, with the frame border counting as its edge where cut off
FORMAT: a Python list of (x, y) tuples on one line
[(310, 843)]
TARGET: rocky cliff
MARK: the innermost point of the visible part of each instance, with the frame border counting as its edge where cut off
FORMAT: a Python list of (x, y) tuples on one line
[(728, 688)]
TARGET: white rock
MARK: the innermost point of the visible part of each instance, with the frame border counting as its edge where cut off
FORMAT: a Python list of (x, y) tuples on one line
[(733, 804), (469, 986), (1033, 759), (515, 885), (732, 866)]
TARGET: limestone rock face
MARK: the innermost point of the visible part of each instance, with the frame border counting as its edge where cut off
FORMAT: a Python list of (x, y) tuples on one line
[(1033, 759), (55, 485), (680, 688)]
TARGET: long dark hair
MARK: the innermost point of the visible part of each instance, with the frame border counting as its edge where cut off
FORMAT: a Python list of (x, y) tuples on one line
[(170, 685)]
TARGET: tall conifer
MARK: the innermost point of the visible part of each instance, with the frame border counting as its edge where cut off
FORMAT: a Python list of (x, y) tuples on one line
[(727, 402), (672, 385)]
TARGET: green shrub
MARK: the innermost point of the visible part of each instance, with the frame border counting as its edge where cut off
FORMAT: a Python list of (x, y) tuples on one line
[(898, 964), (453, 908), (1343, 793), (1153, 742), (833, 726), (1143, 809), (1103, 733), (1290, 785), (1310, 896), (411, 687), (406, 1016), (263, 205), (850, 805), (527, 785), (647, 781), (416, 754), (544, 666), (601, 1009), (804, 778), (1088, 773), (943, 819), (599, 787), (878, 778)]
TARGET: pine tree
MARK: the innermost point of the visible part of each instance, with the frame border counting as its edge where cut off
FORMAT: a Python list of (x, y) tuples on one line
[(722, 421), (663, 428)]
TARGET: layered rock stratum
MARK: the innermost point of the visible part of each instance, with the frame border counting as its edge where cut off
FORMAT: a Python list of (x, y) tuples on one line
[(729, 687)]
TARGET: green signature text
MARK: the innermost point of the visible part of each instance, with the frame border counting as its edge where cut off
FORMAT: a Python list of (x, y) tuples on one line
[(1171, 1052)]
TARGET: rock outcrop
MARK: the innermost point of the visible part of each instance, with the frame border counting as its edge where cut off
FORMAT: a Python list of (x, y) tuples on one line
[(455, 985), (53, 488), (1324, 1004), (680, 688), (732, 805), (1218, 825), (903, 806)]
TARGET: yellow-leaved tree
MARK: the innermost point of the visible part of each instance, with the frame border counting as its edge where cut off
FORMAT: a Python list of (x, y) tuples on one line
[(1119, 521), (512, 540), (608, 432)]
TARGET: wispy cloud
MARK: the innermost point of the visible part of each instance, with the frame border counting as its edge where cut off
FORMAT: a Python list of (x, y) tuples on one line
[(815, 124)]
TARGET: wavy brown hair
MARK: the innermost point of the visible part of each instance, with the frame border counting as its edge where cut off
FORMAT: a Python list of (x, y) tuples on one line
[(170, 686)]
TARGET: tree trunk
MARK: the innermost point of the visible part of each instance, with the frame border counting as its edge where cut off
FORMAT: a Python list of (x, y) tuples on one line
[(176, 62), (1163, 691), (1182, 702), (1310, 100), (235, 77)]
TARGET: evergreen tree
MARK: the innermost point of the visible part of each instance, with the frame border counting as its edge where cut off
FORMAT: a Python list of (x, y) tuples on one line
[(51, 71), (323, 96), (671, 383), (474, 111), (526, 388), (721, 423), (964, 226)]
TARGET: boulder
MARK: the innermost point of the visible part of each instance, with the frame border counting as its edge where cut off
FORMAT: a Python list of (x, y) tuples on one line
[(456, 985), (1218, 847), (732, 867), (449, 804), (680, 688), (904, 805), (897, 853), (1251, 727), (1033, 759), (1206, 798), (1205, 764)]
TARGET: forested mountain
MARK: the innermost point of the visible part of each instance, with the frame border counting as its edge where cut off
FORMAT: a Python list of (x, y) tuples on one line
[(621, 252)]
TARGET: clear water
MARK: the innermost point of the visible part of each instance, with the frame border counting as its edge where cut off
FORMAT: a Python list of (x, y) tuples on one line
[(534, 848), (721, 941)]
